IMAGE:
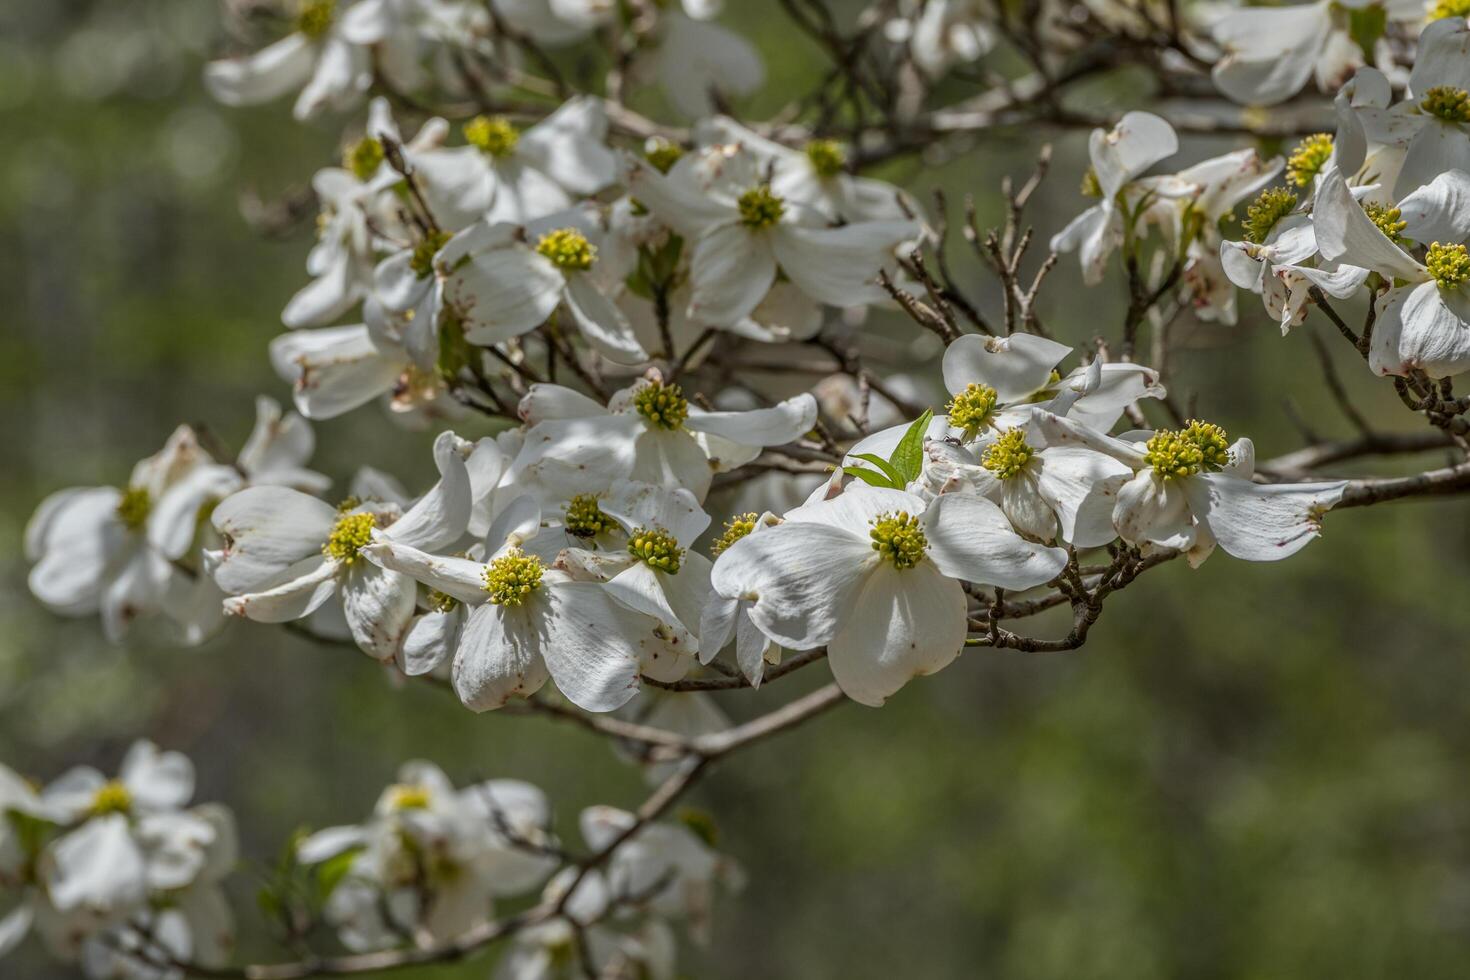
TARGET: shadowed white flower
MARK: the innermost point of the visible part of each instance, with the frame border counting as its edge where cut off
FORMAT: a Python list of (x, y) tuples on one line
[(741, 232), (1119, 156), (328, 56), (432, 859), (1423, 320)]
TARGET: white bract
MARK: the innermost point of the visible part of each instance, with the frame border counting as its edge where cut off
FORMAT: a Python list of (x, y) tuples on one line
[(874, 575)]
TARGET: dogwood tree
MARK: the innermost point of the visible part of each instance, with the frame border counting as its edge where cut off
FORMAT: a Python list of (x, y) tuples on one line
[(633, 325)]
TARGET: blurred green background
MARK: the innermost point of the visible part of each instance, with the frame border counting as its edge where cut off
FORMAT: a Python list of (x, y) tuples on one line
[(1249, 772)]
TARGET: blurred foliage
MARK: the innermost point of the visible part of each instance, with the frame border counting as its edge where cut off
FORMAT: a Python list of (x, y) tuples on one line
[(1249, 772)]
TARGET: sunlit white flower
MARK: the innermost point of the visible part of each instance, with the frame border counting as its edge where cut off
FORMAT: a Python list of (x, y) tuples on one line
[(648, 433), (874, 575), (1271, 52), (286, 553), (527, 621), (725, 617), (1192, 489)]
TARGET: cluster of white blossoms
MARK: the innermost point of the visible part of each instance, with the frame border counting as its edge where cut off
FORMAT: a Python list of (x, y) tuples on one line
[(121, 874), (656, 493)]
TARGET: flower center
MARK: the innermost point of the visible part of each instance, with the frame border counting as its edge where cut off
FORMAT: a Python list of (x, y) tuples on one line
[(662, 405), (656, 548), (349, 535), (898, 538), (1448, 103), (442, 601), (364, 157), (736, 528), (759, 208), (1214, 445), (971, 409), (568, 249), (1389, 220), (1265, 211), (1009, 454), (512, 577), (405, 797), (314, 17), (827, 156), (1448, 264), (1308, 159), (1171, 455), (662, 153), (111, 797), (1091, 186), (422, 261), (585, 519), (1198, 446), (492, 135), (1449, 8), (134, 507)]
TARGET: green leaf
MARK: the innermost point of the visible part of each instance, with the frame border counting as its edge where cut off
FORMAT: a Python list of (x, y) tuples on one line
[(867, 476), (908, 458), (329, 873), (894, 476)]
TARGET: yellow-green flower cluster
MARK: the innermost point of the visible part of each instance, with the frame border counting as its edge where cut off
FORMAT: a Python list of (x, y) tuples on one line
[(406, 797), (1448, 103), (422, 260), (1198, 446), (662, 153), (585, 519), (736, 528), (111, 797), (1269, 207), (656, 548), (568, 249), (899, 538), (314, 17), (442, 601), (1009, 454), (349, 535), (663, 405), (493, 135), (970, 410), (759, 208), (133, 507), (364, 157), (1091, 186), (512, 577), (1442, 9), (1308, 159), (1389, 220), (1448, 264), (827, 156)]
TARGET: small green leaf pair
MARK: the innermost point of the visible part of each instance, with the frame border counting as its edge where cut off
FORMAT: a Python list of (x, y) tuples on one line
[(904, 466)]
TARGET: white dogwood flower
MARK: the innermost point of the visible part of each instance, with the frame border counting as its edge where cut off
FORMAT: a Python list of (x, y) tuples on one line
[(433, 858), (1423, 320), (110, 550), (1192, 489), (874, 575), (1119, 156), (327, 56), (648, 433), (741, 232), (287, 553), (527, 621)]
